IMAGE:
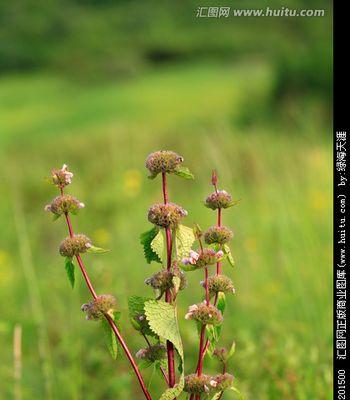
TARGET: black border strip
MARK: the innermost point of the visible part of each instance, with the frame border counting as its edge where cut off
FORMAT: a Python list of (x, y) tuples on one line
[(341, 349)]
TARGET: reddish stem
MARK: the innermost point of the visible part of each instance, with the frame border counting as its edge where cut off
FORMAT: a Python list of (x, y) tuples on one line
[(168, 299), (207, 298), (108, 318), (218, 265)]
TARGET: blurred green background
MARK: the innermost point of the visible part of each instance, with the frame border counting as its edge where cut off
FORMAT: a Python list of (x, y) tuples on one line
[(99, 85)]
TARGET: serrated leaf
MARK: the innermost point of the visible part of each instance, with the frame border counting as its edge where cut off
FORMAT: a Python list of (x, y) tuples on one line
[(157, 245), (111, 340), (69, 266), (97, 250), (163, 321), (184, 239), (227, 251), (183, 172), (146, 239), (136, 307)]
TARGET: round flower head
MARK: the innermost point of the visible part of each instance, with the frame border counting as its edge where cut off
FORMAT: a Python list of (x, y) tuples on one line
[(97, 308), (64, 204), (61, 177), (218, 234), (166, 215), (72, 246), (195, 384), (219, 283), (224, 381), (163, 280), (219, 199), (152, 353), (163, 161), (204, 258), (205, 314)]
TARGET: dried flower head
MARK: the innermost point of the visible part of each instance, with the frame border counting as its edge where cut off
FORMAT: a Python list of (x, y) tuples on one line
[(163, 161), (219, 283), (224, 381), (219, 199), (61, 177), (140, 323), (166, 215), (218, 234), (195, 384), (164, 280), (205, 314), (204, 258), (72, 246), (152, 353), (64, 204), (97, 308)]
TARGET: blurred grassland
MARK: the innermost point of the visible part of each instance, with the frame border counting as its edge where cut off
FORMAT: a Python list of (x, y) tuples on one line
[(217, 116)]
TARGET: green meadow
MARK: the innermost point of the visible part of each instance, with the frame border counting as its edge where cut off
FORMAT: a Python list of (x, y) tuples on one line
[(276, 158)]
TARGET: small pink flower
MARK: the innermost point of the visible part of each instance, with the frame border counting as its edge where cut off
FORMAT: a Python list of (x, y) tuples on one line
[(213, 383), (47, 207), (193, 257), (88, 245), (219, 254)]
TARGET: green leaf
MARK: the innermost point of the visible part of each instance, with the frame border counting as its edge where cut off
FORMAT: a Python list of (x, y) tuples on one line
[(163, 321), (227, 251), (183, 172), (213, 337), (184, 239), (96, 250), (232, 350), (221, 303), (157, 245), (55, 217), (136, 305), (146, 239), (70, 271), (237, 392), (176, 282), (111, 340)]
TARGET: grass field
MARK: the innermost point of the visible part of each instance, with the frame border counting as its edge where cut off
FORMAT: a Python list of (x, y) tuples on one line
[(278, 164)]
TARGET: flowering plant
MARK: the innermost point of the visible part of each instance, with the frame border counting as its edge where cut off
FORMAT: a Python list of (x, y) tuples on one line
[(168, 243)]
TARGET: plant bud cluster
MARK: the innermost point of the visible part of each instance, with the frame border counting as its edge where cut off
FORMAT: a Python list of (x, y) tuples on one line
[(163, 161), (163, 280), (152, 353), (219, 283), (204, 258), (218, 234), (97, 308), (64, 204), (204, 314), (195, 384), (72, 246), (166, 215), (61, 177), (219, 199)]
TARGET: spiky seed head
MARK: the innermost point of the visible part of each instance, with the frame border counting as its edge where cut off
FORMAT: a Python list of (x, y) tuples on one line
[(163, 161), (61, 177), (97, 308), (72, 246), (219, 283), (204, 314), (218, 234), (64, 204), (166, 215), (195, 384), (219, 199), (224, 381), (152, 353), (163, 280)]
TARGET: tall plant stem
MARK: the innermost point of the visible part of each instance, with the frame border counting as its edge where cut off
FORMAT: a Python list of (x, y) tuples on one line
[(168, 299), (108, 318)]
